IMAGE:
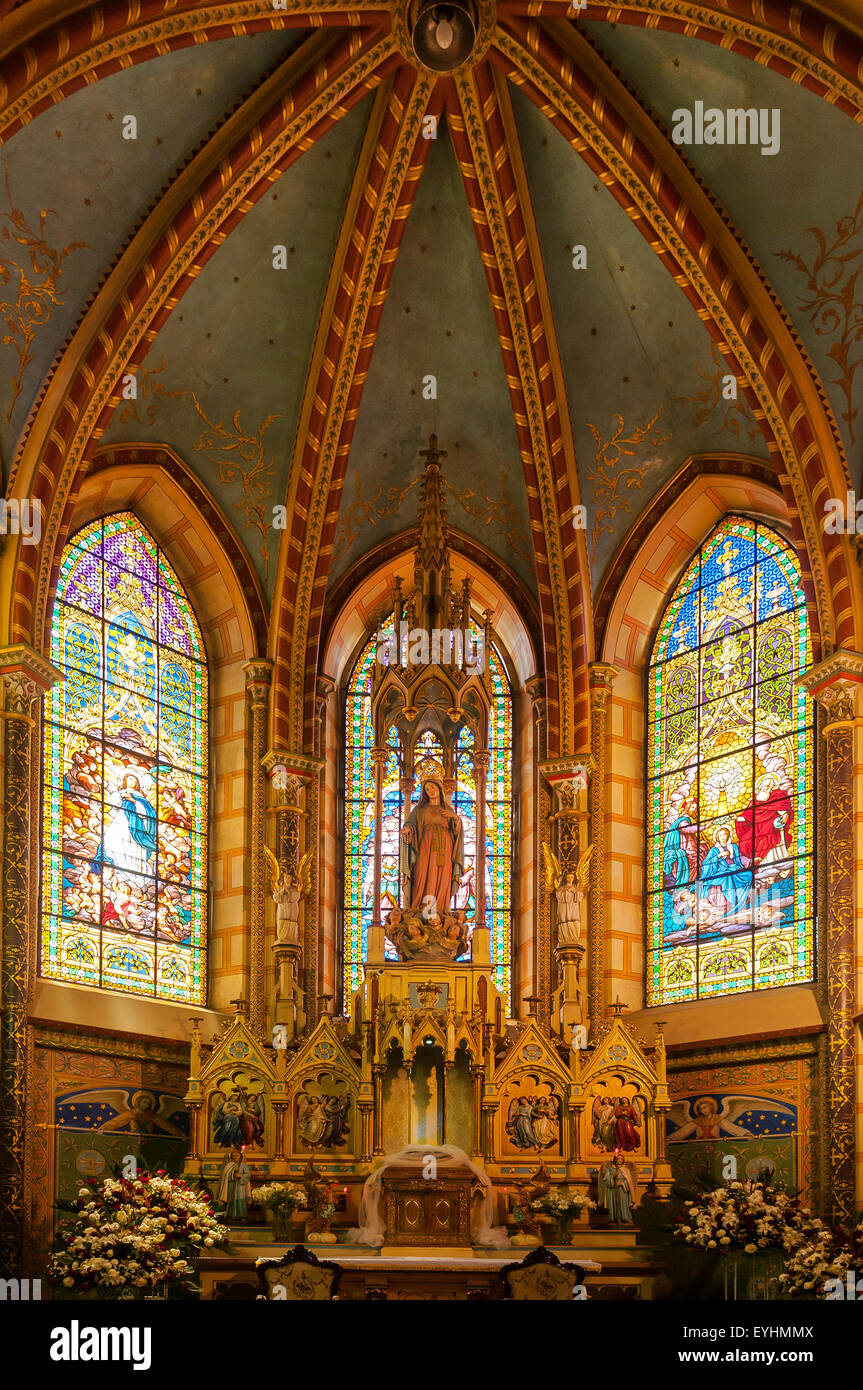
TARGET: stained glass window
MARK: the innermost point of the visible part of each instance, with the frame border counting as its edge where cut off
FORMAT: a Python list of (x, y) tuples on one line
[(428, 760), (499, 826), (730, 774), (124, 902)]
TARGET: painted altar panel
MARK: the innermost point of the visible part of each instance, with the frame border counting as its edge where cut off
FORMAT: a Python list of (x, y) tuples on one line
[(531, 1115), (324, 1115), (761, 1113), (238, 1113), (614, 1118)]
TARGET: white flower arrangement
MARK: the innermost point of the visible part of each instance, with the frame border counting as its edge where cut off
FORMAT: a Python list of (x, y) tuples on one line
[(280, 1197), (818, 1253), (562, 1202), (128, 1236), (741, 1216)]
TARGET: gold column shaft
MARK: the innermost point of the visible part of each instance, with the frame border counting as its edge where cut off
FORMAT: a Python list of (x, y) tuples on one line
[(833, 683), (601, 681), (840, 968), (258, 677), (24, 675), (15, 877), (480, 763)]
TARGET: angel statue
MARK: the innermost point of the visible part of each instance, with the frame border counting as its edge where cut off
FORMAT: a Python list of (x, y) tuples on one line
[(570, 891), (618, 1192), (288, 887)]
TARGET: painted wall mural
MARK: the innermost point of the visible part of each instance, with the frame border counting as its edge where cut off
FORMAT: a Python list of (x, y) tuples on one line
[(92, 1112), (761, 1114), (127, 1109)]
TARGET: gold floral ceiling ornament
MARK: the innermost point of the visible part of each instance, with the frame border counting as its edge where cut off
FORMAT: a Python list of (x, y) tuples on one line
[(247, 465), (833, 302), (498, 514), (611, 484), (709, 400), (32, 294)]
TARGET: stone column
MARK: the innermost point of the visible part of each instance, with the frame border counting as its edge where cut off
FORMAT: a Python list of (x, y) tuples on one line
[(480, 765), (291, 776), (526, 977), (833, 683), (602, 679), (259, 674), (477, 1072), (24, 676), (375, 944), (568, 779)]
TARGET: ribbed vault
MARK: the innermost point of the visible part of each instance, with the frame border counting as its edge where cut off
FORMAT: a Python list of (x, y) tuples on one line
[(52, 53)]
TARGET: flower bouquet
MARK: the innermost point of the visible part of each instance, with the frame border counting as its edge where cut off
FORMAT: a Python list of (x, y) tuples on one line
[(740, 1216), (281, 1199), (565, 1205), (133, 1238), (819, 1259), (749, 1224)]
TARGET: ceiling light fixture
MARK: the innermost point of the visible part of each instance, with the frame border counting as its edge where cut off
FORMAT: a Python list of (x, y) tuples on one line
[(444, 36)]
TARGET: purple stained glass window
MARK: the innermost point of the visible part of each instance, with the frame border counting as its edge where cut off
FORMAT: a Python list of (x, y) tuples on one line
[(124, 875)]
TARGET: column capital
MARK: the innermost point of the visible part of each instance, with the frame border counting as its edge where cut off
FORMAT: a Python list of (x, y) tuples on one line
[(568, 778), (289, 773), (601, 674), (24, 674), (834, 684), (259, 676)]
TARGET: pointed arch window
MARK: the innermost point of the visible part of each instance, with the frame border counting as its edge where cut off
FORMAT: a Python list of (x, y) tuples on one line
[(124, 867), (730, 774), (404, 766)]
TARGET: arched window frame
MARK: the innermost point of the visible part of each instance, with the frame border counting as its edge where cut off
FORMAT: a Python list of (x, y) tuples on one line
[(691, 954), (501, 816), (167, 966)]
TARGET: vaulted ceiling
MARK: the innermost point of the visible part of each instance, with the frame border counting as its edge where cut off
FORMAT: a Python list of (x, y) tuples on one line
[(304, 287)]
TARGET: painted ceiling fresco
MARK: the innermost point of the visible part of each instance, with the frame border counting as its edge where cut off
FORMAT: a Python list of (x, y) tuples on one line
[(800, 210), (75, 189), (223, 381), (437, 322)]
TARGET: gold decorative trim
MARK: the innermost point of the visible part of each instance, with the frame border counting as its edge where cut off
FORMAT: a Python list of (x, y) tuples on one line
[(120, 47), (361, 302), (644, 205), (236, 190), (477, 134)]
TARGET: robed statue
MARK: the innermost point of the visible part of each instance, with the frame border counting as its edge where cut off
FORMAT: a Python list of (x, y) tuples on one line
[(431, 860)]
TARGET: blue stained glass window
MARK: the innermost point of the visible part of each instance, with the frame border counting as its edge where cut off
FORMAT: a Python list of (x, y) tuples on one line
[(730, 904)]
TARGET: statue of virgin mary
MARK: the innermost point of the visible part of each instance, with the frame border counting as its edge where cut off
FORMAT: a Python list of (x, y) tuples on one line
[(432, 850)]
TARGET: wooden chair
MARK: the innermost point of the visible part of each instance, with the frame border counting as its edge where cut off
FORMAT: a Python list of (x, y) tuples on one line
[(541, 1277), (299, 1276)]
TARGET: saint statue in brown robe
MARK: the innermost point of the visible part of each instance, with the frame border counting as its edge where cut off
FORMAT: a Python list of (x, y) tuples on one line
[(432, 851)]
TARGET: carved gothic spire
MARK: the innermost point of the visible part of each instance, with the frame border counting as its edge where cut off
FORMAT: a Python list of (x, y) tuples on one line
[(431, 556)]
